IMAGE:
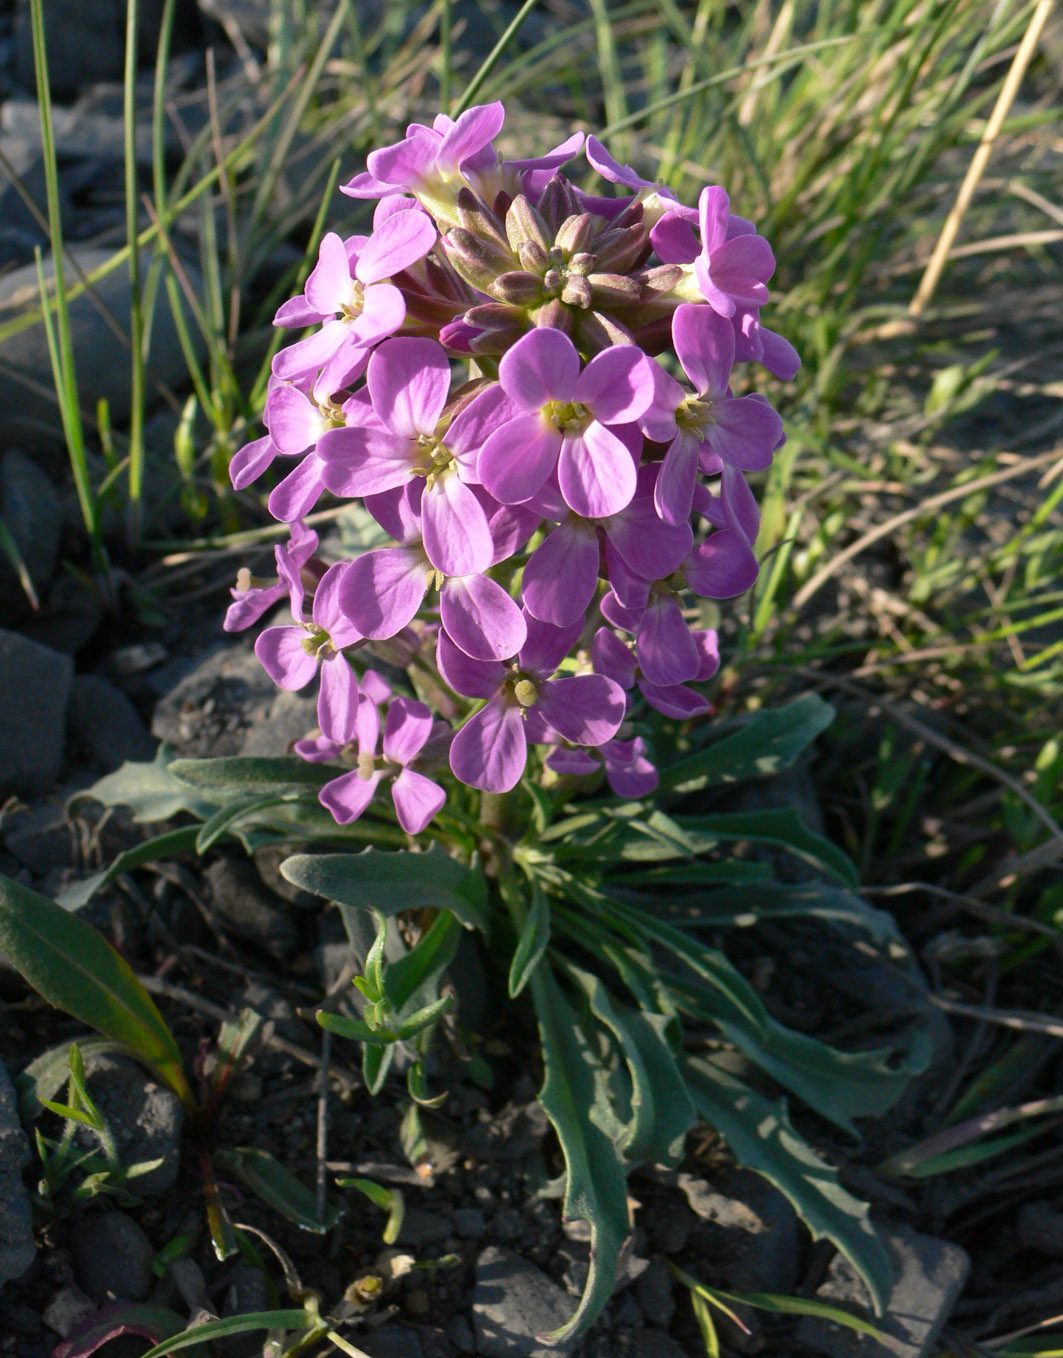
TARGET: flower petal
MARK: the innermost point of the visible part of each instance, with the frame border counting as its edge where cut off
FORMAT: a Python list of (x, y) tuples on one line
[(490, 751), (337, 699), (397, 242), (586, 709), (347, 797), (457, 538), (562, 573), (284, 658), (409, 381), (383, 590), (542, 366), (417, 799), (516, 460), (596, 472), (480, 618), (408, 726)]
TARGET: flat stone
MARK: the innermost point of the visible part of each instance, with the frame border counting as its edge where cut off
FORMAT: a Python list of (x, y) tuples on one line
[(421, 1227), (747, 1228), (17, 1248), (513, 1304), (247, 909), (34, 683), (105, 727), (393, 1341), (32, 513), (929, 1275), (112, 1257)]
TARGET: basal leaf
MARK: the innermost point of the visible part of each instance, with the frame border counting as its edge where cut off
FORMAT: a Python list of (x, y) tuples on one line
[(595, 1190), (72, 966), (227, 817), (243, 776), (781, 828), (277, 1186), (765, 743), (533, 942), (389, 882), (662, 1110), (150, 790), (761, 1138), (153, 1323)]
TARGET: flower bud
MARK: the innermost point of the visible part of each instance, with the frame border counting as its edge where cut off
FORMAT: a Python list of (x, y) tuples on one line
[(613, 289), (594, 331), (476, 259), (518, 288), (554, 315), (533, 257), (582, 263), (556, 203), (498, 327), (620, 251), (478, 218), (576, 233), (576, 292), (525, 224)]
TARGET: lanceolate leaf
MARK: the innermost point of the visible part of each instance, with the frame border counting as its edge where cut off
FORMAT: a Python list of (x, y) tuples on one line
[(149, 789), (161, 846), (246, 777), (760, 1137), (72, 966), (533, 942), (766, 743), (782, 829), (662, 1111), (389, 882), (243, 1324), (572, 1097)]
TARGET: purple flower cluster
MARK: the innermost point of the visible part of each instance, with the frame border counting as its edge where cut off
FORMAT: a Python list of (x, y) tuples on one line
[(491, 373)]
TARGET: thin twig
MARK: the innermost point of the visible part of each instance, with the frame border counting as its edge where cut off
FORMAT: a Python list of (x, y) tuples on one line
[(980, 159), (321, 1146), (1023, 1019)]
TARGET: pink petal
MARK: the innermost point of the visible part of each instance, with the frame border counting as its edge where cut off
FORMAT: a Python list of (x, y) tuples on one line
[(337, 699), (383, 312), (457, 538), (722, 566), (596, 472), (705, 345), (417, 799), (348, 796), (284, 658), (746, 433), (490, 750), (586, 709), (470, 133), (294, 421), (330, 287), (714, 207), (675, 240), (383, 590), (517, 458), (666, 650), (328, 607), (249, 462), (546, 646), (617, 385), (407, 162), (612, 658), (300, 490), (562, 574), (359, 462), (306, 356), (480, 618), (675, 700), (577, 763), (397, 242), (542, 366), (409, 381), (408, 726), (473, 678)]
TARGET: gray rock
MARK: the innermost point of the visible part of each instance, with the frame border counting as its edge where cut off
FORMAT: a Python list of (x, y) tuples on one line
[(654, 1344), (85, 43), (69, 616), (267, 1001), (515, 1302), (394, 1341), (1040, 1228), (420, 1227), (34, 689), (145, 1118), (17, 1249), (225, 705), (929, 1275), (112, 1257), (104, 725), (459, 1331), (655, 1293), (67, 1308), (248, 910), (103, 368), (33, 515)]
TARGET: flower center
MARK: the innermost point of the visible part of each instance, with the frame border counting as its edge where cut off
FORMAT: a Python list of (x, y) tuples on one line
[(317, 641), (366, 766), (569, 417), (695, 415), (350, 311), (434, 458)]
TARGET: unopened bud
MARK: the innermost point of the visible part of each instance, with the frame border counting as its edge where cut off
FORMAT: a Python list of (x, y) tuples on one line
[(524, 224), (476, 259), (595, 332), (477, 217), (576, 233), (553, 315), (582, 262), (556, 203), (621, 251), (613, 289), (576, 292), (518, 288), (533, 256)]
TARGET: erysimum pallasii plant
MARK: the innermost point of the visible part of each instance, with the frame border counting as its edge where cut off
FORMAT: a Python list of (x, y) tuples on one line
[(527, 387)]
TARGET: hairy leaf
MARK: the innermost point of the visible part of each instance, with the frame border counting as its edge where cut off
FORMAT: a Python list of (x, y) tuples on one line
[(389, 882), (150, 790), (765, 743), (533, 942), (575, 1100), (243, 776)]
